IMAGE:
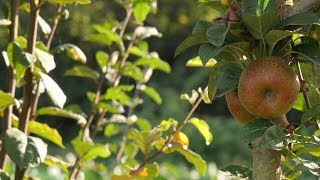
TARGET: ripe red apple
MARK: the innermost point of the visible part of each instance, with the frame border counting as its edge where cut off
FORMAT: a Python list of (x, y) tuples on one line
[(268, 87), (236, 108)]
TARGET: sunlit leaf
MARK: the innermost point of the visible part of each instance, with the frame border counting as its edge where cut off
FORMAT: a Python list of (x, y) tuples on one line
[(145, 139), (119, 93), (46, 59), (132, 71), (5, 22), (102, 59), (83, 71), (180, 138), (98, 150), (54, 91), (165, 125), (74, 52), (143, 124), (193, 158), (111, 129), (154, 63), (254, 129), (153, 94), (146, 32), (44, 26), (24, 150), (140, 11), (5, 100), (44, 131), (53, 111), (53, 161), (203, 128), (196, 62)]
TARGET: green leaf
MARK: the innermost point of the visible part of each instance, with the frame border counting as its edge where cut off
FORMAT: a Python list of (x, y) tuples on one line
[(257, 7), (309, 47), (44, 131), (145, 139), (98, 150), (208, 51), (132, 71), (302, 18), (200, 26), (203, 128), (53, 111), (25, 151), (217, 34), (118, 93), (111, 129), (143, 124), (113, 107), (83, 71), (299, 103), (237, 172), (191, 40), (153, 169), (106, 37), (193, 158), (54, 91), (165, 125), (254, 129), (273, 138), (73, 52), (73, 1), (315, 151), (152, 93), (225, 78), (4, 175), (81, 147), (311, 114), (274, 36), (53, 161), (141, 11), (46, 59), (154, 63), (259, 25), (102, 59), (5, 100), (18, 59)]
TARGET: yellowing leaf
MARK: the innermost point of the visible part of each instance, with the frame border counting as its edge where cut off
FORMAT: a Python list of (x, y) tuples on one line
[(123, 177), (224, 2), (180, 138)]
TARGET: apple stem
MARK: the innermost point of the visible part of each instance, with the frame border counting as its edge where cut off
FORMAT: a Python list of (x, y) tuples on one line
[(304, 89)]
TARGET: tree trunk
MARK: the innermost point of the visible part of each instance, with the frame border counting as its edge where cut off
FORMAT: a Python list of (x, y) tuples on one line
[(266, 163)]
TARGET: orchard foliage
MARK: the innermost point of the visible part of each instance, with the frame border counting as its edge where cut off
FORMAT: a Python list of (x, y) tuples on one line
[(244, 31), (120, 75)]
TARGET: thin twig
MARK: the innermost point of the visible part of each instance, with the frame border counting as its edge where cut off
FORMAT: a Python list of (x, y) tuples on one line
[(98, 124), (7, 123), (27, 96)]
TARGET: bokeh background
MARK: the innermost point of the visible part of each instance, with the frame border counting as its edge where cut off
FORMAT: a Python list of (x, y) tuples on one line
[(175, 20)]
